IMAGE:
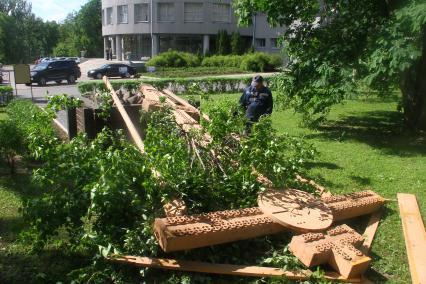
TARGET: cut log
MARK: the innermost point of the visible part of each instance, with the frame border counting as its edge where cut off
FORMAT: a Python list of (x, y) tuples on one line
[(414, 235)]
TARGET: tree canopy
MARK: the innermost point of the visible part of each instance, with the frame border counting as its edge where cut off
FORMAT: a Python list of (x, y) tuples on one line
[(338, 48), (25, 37)]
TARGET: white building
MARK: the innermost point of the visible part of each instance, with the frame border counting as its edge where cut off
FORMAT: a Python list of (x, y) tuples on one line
[(143, 28)]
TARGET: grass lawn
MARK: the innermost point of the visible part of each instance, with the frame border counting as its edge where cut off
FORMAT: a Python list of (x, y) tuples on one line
[(363, 145)]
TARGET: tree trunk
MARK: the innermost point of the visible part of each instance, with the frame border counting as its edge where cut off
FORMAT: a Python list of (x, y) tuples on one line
[(413, 88)]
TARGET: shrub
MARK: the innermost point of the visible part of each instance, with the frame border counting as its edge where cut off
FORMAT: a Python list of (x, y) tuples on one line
[(6, 94), (223, 61), (177, 85), (174, 59), (11, 143), (35, 125), (260, 62), (237, 44), (223, 44)]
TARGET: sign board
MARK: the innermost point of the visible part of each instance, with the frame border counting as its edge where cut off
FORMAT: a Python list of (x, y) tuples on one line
[(22, 74), (150, 69)]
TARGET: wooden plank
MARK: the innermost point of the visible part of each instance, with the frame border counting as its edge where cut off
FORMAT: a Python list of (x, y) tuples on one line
[(371, 230), (415, 236), (181, 101), (225, 269), (132, 129)]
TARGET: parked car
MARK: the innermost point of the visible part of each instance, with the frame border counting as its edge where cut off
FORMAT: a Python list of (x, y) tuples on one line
[(76, 59), (55, 71), (112, 70)]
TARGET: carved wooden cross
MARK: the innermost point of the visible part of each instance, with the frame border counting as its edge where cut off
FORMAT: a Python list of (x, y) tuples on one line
[(337, 246)]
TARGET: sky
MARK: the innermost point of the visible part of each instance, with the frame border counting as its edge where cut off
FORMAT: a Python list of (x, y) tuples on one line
[(55, 10)]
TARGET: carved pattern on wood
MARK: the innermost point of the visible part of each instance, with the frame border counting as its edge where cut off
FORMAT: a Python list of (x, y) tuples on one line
[(338, 247)]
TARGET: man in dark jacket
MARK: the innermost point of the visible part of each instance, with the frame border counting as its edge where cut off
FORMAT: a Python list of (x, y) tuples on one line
[(257, 101)]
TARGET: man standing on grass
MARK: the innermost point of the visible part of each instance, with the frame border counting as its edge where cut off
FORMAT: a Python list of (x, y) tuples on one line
[(257, 101)]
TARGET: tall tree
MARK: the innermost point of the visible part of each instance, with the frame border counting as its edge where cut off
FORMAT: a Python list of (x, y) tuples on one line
[(82, 31), (24, 36), (334, 46)]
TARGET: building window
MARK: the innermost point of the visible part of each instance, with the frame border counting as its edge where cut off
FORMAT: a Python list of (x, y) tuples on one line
[(141, 12), (166, 12), (103, 17), (193, 12), (123, 14), (109, 16), (260, 42), (221, 12)]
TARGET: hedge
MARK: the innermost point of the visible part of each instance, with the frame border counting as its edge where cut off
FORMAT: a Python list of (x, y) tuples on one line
[(174, 59), (223, 61), (255, 62), (6, 95), (177, 85)]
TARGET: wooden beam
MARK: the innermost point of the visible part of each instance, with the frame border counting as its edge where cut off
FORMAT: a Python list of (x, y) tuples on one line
[(225, 269), (181, 101), (371, 230), (415, 236), (132, 129)]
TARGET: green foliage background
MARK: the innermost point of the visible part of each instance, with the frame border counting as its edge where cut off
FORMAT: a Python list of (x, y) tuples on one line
[(340, 48), (24, 37)]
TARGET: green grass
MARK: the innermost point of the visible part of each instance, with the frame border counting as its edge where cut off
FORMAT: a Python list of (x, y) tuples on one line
[(362, 145), (365, 145)]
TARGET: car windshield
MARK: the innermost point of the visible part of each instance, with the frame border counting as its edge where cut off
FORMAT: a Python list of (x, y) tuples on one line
[(40, 66), (104, 66)]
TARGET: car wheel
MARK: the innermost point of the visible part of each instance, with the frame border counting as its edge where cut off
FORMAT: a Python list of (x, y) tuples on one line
[(99, 76), (71, 79), (42, 81), (58, 81)]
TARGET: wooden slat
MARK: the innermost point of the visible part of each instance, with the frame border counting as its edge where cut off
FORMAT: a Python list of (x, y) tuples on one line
[(132, 129), (415, 236), (225, 269), (180, 101), (370, 231)]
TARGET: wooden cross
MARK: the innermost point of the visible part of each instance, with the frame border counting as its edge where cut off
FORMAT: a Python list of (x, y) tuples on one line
[(337, 247)]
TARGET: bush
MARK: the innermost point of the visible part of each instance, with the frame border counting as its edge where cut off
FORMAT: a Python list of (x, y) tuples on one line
[(174, 59), (35, 125), (223, 43), (237, 44), (260, 62), (177, 85), (11, 143), (6, 94), (223, 61)]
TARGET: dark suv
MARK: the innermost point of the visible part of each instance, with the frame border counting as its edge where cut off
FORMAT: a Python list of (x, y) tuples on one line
[(55, 71)]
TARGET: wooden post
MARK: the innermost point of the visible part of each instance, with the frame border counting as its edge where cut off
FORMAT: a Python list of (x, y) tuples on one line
[(132, 129)]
